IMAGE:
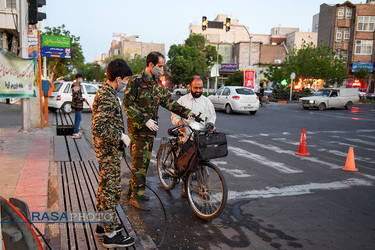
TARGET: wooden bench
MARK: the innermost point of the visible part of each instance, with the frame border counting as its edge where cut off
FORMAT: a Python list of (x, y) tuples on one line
[(78, 175)]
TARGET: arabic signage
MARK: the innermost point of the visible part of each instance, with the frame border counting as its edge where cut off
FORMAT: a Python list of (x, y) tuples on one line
[(358, 65), (17, 76), (228, 67), (55, 41), (55, 52), (249, 77)]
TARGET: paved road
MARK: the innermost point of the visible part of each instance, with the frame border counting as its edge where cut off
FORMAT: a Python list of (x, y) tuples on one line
[(277, 199)]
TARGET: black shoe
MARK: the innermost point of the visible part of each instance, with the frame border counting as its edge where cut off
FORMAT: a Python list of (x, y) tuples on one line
[(139, 203), (118, 240), (99, 231)]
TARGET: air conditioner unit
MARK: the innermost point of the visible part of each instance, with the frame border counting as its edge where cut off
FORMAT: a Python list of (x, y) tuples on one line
[(277, 61)]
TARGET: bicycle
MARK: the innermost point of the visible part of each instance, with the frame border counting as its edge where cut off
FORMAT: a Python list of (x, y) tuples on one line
[(206, 189)]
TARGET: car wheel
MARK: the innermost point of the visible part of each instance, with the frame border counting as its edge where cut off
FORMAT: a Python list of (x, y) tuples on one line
[(253, 112), (305, 107), (178, 93), (228, 109), (322, 106), (349, 105), (52, 109), (67, 107)]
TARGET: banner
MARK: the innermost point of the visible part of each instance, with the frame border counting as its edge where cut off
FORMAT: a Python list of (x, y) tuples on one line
[(17, 76), (249, 77), (55, 41)]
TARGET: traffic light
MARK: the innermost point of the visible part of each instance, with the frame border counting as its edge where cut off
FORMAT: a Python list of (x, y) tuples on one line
[(204, 23), (227, 24), (34, 15), (284, 82)]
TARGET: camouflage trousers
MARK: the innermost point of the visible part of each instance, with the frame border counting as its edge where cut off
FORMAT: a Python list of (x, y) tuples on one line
[(140, 150), (109, 189)]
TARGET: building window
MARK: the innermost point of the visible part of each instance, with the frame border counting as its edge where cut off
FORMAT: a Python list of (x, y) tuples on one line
[(340, 13), (363, 47), (366, 23), (345, 55), (339, 34), (346, 34), (11, 4), (348, 13)]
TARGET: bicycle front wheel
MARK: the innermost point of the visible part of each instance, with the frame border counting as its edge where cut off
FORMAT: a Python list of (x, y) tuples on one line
[(206, 191), (165, 166)]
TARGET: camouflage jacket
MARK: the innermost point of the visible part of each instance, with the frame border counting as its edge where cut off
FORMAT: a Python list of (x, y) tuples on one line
[(106, 124), (142, 98)]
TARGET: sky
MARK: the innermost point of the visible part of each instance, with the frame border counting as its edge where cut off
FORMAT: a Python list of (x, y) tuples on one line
[(168, 21)]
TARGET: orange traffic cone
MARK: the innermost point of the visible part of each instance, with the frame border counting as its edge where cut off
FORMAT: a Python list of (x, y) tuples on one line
[(302, 145), (350, 164)]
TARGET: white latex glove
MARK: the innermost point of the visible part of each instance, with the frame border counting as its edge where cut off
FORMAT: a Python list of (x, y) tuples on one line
[(125, 138), (152, 125)]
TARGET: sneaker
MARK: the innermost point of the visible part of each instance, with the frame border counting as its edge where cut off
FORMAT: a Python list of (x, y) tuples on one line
[(139, 203), (99, 231), (76, 136), (118, 240)]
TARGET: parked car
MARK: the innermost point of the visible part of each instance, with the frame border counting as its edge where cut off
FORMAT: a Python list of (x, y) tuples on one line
[(370, 96), (61, 97), (235, 98), (181, 91)]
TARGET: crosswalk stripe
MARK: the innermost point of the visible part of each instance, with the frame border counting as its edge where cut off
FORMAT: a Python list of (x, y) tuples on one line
[(270, 192), (263, 160)]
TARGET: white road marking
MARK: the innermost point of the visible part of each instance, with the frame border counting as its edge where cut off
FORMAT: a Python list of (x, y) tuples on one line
[(360, 141), (289, 152), (270, 192), (263, 160), (345, 154), (235, 172)]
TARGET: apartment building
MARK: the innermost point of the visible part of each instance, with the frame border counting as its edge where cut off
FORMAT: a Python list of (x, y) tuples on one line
[(349, 29)]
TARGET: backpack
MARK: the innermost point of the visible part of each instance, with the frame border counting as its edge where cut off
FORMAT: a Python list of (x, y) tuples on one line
[(189, 156)]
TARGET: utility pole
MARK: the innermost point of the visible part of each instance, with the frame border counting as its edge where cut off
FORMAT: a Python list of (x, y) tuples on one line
[(23, 25)]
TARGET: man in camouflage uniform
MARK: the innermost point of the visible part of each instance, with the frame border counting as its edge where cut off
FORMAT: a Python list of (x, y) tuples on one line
[(142, 98), (107, 132)]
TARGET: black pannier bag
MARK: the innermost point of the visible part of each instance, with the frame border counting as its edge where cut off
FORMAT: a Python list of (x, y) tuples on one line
[(213, 145)]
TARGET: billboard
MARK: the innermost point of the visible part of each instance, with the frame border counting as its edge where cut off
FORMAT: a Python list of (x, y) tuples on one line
[(358, 65), (249, 78), (228, 67), (17, 76), (55, 52), (55, 41)]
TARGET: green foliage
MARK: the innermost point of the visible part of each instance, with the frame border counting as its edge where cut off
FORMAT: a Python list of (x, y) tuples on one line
[(64, 66), (311, 62), (195, 58), (91, 72), (235, 79), (137, 64), (274, 74), (362, 74)]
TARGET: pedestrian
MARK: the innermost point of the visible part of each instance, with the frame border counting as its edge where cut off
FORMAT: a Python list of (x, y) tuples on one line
[(142, 98), (77, 104), (108, 133), (261, 93), (197, 103)]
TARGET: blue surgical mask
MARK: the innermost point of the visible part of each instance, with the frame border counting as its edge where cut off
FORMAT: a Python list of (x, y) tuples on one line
[(156, 71)]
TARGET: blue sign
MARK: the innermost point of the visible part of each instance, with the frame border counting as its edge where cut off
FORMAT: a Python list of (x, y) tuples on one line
[(358, 65), (55, 52), (228, 67)]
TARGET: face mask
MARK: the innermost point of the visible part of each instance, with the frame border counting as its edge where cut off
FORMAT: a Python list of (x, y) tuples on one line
[(156, 71), (80, 80), (121, 85)]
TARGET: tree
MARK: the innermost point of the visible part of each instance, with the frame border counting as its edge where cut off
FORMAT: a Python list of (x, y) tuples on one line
[(274, 74), (311, 62), (235, 79), (64, 66), (137, 64), (91, 72), (195, 58)]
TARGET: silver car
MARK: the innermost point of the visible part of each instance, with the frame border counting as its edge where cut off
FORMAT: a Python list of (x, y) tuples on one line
[(235, 98)]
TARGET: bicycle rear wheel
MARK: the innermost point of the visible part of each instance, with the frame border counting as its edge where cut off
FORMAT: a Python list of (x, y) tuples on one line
[(206, 191), (165, 166)]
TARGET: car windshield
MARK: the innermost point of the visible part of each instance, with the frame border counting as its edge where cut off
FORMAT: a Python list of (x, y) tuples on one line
[(245, 91), (322, 93), (57, 86)]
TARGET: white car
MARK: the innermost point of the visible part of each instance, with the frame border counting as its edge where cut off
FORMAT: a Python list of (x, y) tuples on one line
[(235, 98), (61, 97), (181, 91)]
